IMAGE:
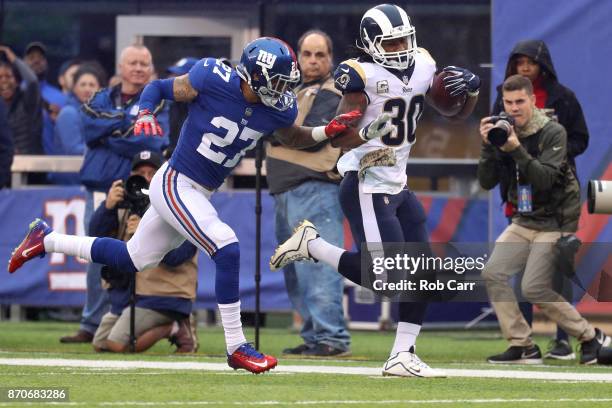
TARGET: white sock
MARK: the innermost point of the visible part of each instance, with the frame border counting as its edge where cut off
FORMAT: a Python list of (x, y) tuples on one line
[(69, 244), (405, 337), (322, 250), (232, 326)]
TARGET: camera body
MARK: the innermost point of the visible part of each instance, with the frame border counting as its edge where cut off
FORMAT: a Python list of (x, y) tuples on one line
[(502, 127), (136, 200), (115, 278), (568, 247)]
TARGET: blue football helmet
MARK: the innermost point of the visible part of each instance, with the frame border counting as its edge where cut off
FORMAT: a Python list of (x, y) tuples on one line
[(269, 66), (383, 23)]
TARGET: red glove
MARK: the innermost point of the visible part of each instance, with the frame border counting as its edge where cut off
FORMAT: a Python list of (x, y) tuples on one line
[(341, 122), (147, 123)]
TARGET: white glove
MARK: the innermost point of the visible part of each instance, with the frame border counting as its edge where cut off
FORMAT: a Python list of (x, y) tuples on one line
[(379, 127)]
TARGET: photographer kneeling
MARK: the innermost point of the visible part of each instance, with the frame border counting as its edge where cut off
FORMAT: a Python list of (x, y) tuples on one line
[(164, 294), (546, 195)]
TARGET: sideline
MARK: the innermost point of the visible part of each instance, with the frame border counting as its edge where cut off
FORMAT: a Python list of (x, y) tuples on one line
[(314, 369)]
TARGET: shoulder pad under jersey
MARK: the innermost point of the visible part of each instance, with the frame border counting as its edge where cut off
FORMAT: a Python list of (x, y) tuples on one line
[(350, 77), (199, 72)]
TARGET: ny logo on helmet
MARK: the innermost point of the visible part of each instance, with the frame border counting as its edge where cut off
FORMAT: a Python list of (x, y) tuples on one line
[(265, 59)]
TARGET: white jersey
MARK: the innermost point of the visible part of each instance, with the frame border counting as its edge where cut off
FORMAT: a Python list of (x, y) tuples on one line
[(402, 94)]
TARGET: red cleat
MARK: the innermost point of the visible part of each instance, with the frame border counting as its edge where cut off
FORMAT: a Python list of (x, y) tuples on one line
[(31, 246), (248, 358)]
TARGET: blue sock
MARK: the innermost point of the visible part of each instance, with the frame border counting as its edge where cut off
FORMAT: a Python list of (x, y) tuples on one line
[(114, 253), (526, 309), (561, 334), (227, 279), (350, 267)]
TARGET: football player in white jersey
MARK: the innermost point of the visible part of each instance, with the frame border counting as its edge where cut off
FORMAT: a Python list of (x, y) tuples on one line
[(392, 76)]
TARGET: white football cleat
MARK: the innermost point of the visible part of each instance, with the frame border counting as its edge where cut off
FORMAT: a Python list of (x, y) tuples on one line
[(296, 247), (408, 364)]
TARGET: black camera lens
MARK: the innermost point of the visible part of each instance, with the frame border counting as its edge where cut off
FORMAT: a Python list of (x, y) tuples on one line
[(498, 136), (134, 185), (136, 200), (502, 127)]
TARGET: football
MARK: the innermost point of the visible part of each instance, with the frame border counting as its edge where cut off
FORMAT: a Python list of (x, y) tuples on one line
[(444, 103)]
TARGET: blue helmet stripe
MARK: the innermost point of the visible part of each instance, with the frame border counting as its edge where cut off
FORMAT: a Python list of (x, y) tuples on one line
[(392, 13)]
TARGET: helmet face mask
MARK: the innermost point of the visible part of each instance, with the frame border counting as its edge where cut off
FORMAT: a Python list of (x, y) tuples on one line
[(384, 23), (269, 66), (276, 91)]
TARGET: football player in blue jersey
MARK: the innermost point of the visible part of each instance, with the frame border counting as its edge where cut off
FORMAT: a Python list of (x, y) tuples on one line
[(394, 76), (229, 110)]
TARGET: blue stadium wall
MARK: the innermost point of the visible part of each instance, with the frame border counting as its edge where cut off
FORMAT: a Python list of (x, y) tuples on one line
[(57, 280)]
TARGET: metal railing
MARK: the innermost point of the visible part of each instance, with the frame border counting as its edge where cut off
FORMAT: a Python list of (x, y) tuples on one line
[(24, 164), (461, 172)]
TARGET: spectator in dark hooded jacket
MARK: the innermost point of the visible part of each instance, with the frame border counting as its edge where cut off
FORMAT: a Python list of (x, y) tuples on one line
[(532, 59)]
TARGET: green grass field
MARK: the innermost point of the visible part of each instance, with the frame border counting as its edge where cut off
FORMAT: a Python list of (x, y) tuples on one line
[(122, 386)]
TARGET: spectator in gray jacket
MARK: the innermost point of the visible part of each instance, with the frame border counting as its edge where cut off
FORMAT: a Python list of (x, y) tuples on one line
[(24, 102), (304, 184)]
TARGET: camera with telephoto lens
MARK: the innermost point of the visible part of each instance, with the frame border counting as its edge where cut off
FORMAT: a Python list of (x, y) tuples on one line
[(502, 127), (136, 200), (599, 201), (599, 197)]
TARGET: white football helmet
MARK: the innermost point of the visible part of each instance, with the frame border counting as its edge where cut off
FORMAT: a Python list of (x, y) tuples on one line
[(387, 22)]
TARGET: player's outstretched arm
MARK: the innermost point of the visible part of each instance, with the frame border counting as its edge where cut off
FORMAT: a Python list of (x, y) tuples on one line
[(348, 113), (352, 105), (182, 89), (176, 89), (351, 101), (342, 127)]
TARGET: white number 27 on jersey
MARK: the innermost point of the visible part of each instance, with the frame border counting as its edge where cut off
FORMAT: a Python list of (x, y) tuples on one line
[(232, 130)]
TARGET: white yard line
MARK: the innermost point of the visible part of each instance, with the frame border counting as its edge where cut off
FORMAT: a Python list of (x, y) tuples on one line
[(315, 402), (310, 369)]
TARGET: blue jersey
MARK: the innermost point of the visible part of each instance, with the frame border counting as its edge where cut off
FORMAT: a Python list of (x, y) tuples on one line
[(221, 125)]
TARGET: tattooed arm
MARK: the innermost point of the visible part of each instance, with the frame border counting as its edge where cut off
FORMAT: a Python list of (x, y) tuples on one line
[(177, 89), (182, 89), (341, 130)]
